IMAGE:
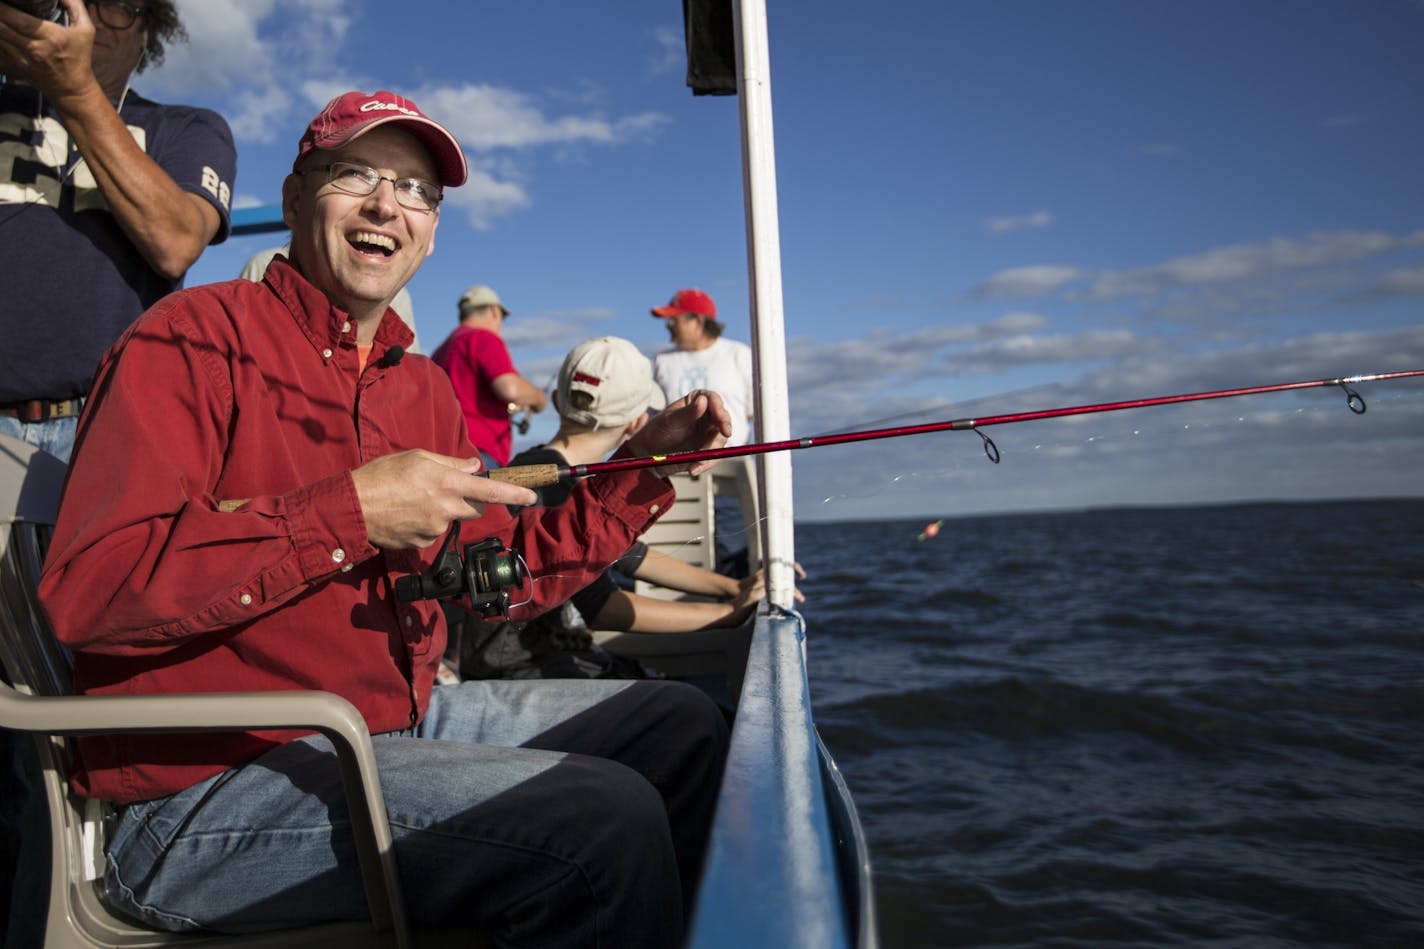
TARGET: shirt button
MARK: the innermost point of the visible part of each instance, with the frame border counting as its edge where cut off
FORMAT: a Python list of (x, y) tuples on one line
[(654, 509), (408, 620), (346, 567), (326, 354), (346, 327), (338, 555), (245, 599)]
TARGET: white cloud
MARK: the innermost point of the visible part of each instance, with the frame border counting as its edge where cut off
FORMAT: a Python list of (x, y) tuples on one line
[(671, 51), (557, 328), (486, 117), (267, 66), (1003, 225), (484, 199), (1408, 282), (243, 54), (1243, 262), (1026, 349), (499, 126), (1032, 281)]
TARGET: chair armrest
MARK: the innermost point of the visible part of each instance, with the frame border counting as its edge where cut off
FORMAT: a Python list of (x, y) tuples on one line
[(323, 712)]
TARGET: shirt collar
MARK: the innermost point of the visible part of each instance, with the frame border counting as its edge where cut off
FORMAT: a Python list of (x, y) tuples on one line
[(325, 324)]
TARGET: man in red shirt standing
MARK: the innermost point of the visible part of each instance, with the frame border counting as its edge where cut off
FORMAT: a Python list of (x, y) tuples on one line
[(489, 388)]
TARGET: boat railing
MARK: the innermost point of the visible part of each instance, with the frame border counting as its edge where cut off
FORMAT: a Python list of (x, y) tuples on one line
[(786, 863)]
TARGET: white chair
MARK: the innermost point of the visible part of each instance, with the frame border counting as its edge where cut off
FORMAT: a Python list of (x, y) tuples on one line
[(40, 701), (688, 532)]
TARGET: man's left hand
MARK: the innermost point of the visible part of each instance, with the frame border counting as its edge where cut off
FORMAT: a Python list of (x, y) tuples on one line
[(695, 422)]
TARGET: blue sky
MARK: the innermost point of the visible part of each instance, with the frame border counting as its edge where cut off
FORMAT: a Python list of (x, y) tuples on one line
[(987, 206)]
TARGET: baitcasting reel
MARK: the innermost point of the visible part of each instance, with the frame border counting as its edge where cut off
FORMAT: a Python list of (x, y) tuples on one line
[(486, 573)]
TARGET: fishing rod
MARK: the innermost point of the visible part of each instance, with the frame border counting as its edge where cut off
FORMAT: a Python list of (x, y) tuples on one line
[(533, 476)]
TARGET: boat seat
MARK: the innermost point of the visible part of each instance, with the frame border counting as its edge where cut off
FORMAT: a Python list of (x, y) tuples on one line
[(688, 532), (38, 699)]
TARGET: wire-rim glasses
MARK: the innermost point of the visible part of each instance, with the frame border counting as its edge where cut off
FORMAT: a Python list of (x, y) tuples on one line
[(417, 194)]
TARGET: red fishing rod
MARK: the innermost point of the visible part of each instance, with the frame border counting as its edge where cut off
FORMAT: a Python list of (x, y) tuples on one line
[(537, 475)]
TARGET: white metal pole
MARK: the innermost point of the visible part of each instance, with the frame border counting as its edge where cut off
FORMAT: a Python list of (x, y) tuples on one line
[(767, 316)]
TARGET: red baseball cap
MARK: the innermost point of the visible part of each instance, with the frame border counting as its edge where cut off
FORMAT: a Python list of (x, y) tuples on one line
[(353, 114), (687, 301)]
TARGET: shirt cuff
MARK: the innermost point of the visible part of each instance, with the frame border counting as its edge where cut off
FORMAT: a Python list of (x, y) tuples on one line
[(328, 528)]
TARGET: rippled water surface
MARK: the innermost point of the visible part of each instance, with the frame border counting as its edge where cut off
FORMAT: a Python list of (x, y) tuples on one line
[(1197, 726)]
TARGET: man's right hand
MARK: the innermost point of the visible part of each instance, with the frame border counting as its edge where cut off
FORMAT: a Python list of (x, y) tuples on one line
[(55, 59), (410, 498)]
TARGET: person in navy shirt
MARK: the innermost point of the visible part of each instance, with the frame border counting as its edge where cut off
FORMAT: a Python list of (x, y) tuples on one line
[(106, 199)]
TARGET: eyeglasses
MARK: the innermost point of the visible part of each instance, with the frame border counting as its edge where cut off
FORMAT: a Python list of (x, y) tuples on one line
[(115, 14), (361, 180)]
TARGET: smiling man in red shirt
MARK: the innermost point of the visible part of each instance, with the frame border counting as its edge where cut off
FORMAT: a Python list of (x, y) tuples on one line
[(282, 463)]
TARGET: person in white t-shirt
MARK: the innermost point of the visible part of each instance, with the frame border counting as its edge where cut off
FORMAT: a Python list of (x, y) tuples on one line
[(701, 359)]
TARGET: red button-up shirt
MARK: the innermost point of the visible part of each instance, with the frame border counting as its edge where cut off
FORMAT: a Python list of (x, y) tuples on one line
[(245, 390)]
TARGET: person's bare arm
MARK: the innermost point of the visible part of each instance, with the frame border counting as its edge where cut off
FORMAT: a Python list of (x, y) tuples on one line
[(634, 613), (516, 390), (666, 571), (170, 227), (674, 574)]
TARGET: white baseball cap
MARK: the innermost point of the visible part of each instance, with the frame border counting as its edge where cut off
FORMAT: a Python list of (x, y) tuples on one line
[(478, 296), (606, 382)]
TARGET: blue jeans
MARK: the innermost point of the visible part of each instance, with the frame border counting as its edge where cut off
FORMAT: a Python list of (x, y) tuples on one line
[(569, 813), (55, 436)]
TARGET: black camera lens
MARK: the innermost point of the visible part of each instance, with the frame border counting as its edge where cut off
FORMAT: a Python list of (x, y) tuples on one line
[(44, 9)]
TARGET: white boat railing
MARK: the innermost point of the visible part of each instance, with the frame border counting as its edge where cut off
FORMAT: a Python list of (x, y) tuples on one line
[(773, 416), (787, 864)]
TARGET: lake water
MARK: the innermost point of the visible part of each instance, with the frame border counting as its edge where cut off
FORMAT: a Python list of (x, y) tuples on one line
[(1194, 726)]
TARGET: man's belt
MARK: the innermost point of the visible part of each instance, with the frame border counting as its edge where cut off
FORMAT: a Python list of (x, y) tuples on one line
[(42, 410)]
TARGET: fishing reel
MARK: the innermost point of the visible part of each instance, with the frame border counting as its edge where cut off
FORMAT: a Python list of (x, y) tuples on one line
[(521, 423), (486, 573)]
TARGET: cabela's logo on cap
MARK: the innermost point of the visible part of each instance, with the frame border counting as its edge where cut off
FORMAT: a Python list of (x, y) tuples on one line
[(376, 105)]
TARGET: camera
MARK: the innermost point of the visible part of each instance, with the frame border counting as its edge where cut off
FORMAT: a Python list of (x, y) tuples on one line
[(43, 9), (486, 572)]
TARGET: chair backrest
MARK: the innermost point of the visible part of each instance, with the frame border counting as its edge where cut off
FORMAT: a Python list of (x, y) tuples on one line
[(687, 531), (30, 483)]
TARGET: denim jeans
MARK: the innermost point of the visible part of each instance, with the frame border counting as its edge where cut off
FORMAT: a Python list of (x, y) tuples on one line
[(55, 436), (554, 813)]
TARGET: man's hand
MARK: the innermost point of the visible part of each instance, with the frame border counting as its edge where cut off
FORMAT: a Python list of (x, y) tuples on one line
[(695, 422), (55, 59), (751, 591), (409, 499)]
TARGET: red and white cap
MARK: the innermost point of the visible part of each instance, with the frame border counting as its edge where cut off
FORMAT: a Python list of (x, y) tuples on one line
[(605, 383), (690, 300), (353, 114)]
